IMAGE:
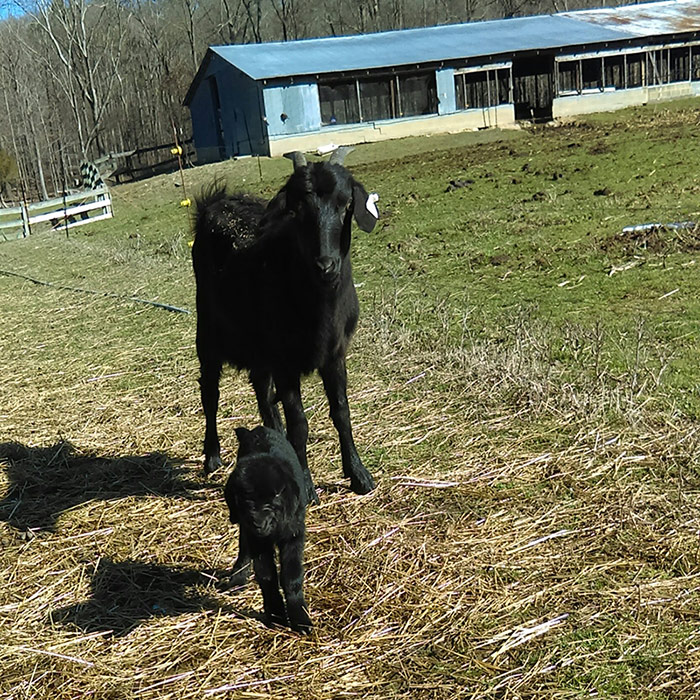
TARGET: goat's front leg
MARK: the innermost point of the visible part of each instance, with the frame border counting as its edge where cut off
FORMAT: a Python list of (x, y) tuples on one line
[(210, 373), (241, 569), (292, 580), (266, 576), (289, 392), (265, 394), (335, 381)]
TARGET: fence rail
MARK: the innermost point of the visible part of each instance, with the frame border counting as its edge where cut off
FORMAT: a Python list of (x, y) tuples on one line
[(141, 163), (61, 213)]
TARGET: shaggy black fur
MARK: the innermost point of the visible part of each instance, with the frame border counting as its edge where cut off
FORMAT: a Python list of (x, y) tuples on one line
[(266, 496), (278, 300)]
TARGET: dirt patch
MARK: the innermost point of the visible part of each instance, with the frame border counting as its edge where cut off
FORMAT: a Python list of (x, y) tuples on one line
[(654, 238), (600, 148)]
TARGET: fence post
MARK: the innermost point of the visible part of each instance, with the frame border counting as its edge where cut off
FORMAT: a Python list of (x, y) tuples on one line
[(25, 220)]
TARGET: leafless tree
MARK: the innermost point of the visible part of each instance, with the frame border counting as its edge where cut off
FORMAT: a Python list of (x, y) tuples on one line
[(101, 76), (82, 58)]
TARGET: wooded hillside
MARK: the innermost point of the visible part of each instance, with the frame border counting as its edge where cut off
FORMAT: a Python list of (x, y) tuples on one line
[(82, 79)]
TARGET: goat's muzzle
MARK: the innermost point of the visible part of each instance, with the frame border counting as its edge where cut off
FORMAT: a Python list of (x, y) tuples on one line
[(328, 269)]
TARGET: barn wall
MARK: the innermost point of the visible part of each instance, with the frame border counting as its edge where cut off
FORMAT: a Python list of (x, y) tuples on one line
[(241, 105), (238, 129), (293, 115), (292, 109), (502, 116), (610, 100), (204, 124)]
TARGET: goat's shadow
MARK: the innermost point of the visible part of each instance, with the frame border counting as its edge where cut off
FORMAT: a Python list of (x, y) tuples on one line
[(125, 593), (46, 481)]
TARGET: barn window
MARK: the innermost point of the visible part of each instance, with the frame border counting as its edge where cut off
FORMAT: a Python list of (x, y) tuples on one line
[(628, 70), (568, 77), (635, 69), (679, 64), (487, 88), (614, 69), (417, 94), (339, 103), (657, 67), (390, 97), (592, 74), (472, 90), (695, 62), (377, 100), (377, 97), (503, 79)]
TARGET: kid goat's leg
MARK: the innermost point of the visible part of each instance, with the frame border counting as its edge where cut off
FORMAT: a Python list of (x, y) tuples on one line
[(266, 576), (241, 569), (292, 580)]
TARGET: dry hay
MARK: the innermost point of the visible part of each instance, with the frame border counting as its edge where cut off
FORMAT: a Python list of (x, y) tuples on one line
[(443, 582), (481, 567)]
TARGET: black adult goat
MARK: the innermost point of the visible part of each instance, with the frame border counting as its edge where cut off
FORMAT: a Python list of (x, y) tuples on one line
[(275, 297)]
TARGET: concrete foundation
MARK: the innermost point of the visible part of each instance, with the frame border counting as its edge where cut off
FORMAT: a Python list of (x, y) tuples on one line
[(468, 120), (611, 99)]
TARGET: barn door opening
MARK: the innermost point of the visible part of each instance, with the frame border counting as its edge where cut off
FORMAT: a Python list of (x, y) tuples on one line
[(218, 124), (533, 87)]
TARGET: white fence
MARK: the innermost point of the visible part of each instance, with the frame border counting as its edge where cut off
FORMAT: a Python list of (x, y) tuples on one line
[(60, 213)]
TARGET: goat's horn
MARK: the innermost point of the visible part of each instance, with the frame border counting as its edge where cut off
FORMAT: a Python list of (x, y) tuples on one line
[(338, 156), (297, 157)]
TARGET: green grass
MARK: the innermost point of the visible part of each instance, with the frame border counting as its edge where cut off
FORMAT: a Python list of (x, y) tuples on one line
[(524, 384)]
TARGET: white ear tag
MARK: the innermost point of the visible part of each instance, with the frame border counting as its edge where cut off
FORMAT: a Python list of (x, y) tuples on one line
[(371, 206)]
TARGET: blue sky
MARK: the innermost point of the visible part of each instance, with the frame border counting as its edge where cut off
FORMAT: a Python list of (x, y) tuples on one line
[(8, 7)]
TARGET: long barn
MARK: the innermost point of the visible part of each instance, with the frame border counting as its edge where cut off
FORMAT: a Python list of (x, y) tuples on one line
[(266, 99)]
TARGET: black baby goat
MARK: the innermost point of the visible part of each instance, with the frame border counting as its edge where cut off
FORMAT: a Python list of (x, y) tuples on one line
[(275, 297), (266, 496)]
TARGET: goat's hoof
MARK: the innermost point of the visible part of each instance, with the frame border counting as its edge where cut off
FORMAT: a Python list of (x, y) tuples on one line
[(300, 622), (212, 463), (362, 483), (304, 628), (277, 620), (237, 579)]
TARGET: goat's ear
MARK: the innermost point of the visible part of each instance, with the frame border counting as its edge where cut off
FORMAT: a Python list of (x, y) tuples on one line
[(364, 209), (278, 203)]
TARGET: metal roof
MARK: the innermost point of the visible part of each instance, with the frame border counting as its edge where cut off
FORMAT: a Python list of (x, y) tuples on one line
[(459, 41), (410, 46), (647, 19)]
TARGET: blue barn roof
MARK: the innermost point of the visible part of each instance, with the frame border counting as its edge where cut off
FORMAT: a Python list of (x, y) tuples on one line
[(411, 46), (457, 41)]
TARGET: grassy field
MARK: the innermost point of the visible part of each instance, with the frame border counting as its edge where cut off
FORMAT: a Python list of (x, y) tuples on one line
[(524, 386)]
